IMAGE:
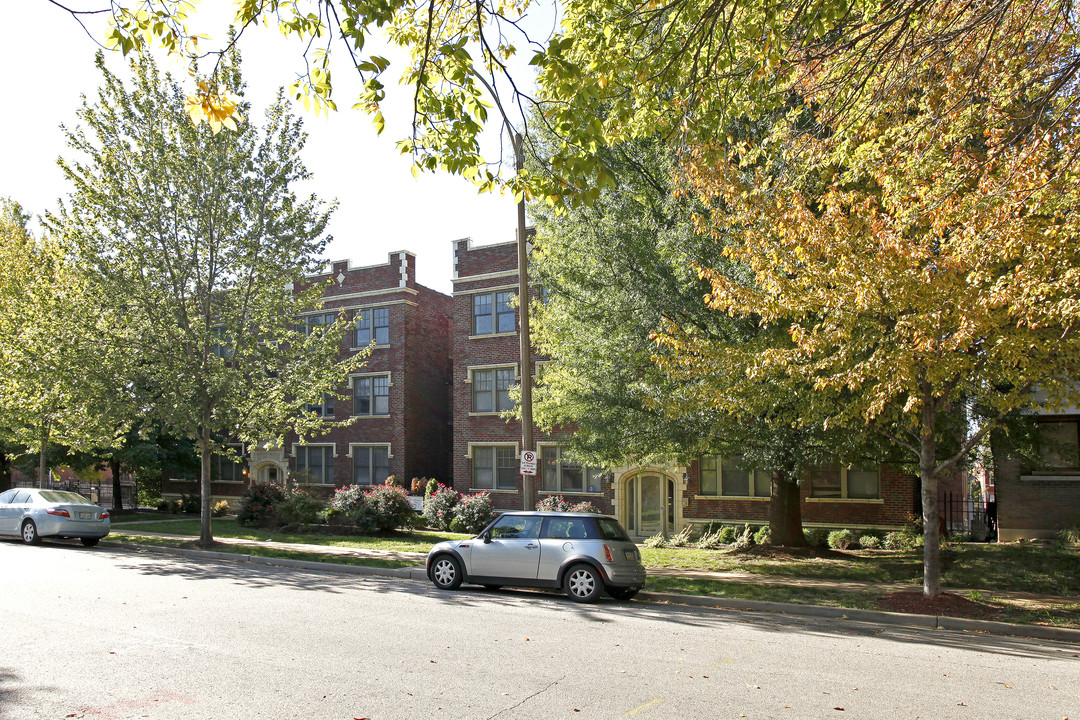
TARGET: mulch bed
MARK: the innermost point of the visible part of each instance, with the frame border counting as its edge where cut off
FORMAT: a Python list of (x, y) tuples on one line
[(946, 604)]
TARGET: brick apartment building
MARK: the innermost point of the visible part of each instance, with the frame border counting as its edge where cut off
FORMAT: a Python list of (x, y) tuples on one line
[(429, 403), (1036, 501), (646, 499), (487, 448), (399, 400)]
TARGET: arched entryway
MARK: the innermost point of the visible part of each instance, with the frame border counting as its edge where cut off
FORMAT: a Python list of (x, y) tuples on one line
[(648, 503), (269, 473)]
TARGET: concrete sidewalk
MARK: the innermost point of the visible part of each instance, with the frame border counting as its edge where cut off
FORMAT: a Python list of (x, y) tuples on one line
[(1035, 601)]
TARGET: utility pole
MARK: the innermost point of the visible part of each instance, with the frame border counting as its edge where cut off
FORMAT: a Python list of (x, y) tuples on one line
[(528, 489)]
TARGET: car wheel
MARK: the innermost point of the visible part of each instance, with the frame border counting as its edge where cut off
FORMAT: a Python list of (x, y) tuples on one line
[(622, 594), (89, 542), (30, 534), (583, 583), (446, 572)]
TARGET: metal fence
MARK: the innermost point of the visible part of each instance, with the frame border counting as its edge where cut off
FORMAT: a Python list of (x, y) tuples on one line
[(99, 492), (974, 518)]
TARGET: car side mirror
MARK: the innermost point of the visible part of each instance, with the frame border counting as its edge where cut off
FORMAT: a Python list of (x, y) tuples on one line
[(486, 535)]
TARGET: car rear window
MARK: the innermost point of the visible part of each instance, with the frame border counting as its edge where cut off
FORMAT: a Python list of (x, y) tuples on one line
[(610, 529), (62, 496)]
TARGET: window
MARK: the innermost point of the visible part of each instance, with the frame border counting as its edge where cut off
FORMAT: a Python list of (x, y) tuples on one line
[(317, 461), (314, 323), (495, 467), (371, 395), (324, 408), (491, 389), (1059, 445), (559, 474), (373, 323), (516, 527), (721, 477), (833, 481), (228, 468), (371, 464), (493, 313)]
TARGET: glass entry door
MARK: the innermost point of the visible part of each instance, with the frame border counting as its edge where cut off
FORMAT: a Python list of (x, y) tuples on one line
[(646, 505)]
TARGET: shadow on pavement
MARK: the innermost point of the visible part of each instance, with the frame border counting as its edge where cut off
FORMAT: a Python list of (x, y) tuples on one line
[(605, 611)]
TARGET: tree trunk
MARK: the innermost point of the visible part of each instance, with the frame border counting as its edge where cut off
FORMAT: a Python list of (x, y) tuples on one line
[(929, 481), (43, 468), (117, 494), (5, 472), (785, 512), (206, 537)]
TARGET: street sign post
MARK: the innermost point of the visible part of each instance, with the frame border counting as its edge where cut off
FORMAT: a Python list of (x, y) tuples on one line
[(528, 462)]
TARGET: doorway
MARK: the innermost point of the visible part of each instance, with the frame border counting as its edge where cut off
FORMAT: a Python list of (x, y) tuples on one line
[(649, 507)]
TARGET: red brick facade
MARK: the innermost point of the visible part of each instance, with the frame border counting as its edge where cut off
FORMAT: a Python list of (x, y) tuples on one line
[(414, 430), (489, 270)]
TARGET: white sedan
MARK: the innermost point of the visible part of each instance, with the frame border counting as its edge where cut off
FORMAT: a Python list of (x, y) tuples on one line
[(32, 514)]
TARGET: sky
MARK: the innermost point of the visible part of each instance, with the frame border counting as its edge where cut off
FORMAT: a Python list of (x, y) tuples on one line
[(381, 209)]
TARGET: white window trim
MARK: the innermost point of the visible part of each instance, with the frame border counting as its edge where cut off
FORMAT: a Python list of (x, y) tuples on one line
[(333, 454), (352, 330), (352, 470), (844, 490), (469, 381), (491, 291), (388, 446), (300, 444), (472, 470), (720, 484), (352, 393), (584, 468)]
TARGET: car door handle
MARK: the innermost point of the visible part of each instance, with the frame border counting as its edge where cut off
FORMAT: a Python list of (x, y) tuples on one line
[(531, 546)]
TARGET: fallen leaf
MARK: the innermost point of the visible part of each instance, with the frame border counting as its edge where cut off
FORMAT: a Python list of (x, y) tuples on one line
[(576, 710), (961, 704), (838, 708), (431, 661), (1007, 685)]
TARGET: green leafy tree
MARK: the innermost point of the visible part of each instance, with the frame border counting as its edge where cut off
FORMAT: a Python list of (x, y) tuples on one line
[(57, 381), (616, 275), (199, 242)]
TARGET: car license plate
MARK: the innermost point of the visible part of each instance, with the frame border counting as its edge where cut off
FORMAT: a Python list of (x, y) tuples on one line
[(86, 516), (629, 554)]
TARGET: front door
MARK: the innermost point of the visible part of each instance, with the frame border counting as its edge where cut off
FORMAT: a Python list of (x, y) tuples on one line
[(647, 504)]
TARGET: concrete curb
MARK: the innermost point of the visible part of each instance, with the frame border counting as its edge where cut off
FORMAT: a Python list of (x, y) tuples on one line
[(1040, 632)]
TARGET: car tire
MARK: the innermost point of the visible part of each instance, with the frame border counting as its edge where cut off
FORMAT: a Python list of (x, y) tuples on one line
[(583, 583), (89, 542), (622, 594), (30, 534), (446, 572)]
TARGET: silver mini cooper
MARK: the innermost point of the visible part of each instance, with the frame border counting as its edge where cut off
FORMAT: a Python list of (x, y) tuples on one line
[(582, 553)]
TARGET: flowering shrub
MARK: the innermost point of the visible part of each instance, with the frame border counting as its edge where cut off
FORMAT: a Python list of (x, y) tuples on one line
[(870, 542), (473, 513), (391, 507), (349, 499), (439, 507), (220, 509), (372, 510), (257, 504), (297, 507), (557, 503)]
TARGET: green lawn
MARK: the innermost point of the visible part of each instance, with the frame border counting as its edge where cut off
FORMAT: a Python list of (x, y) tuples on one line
[(415, 541), (1052, 569)]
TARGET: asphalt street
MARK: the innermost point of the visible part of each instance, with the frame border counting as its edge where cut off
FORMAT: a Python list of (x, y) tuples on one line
[(114, 635)]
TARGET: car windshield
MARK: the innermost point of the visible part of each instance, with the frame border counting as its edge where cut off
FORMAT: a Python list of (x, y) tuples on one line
[(61, 496), (610, 529)]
